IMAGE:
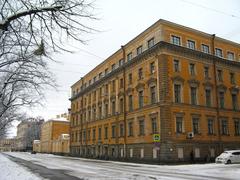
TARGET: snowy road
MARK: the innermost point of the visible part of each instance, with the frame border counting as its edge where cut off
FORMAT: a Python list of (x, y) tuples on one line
[(70, 168)]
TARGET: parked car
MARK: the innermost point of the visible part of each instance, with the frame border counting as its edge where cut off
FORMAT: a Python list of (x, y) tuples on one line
[(228, 157)]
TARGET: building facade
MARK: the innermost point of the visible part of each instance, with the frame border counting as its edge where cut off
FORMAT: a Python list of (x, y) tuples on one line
[(50, 132), (169, 93), (61, 145), (27, 131), (7, 144)]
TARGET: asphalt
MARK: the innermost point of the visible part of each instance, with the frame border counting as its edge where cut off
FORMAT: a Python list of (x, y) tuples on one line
[(51, 174)]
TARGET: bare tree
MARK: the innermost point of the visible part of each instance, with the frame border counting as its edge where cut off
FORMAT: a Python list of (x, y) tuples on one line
[(30, 30)]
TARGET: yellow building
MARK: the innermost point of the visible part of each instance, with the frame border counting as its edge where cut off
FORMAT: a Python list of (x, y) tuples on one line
[(170, 92), (37, 146), (50, 131), (61, 145), (8, 144)]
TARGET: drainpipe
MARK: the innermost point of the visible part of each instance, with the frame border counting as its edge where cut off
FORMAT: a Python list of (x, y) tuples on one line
[(124, 105), (216, 92)]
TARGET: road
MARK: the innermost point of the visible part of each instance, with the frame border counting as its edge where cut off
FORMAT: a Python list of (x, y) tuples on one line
[(60, 167)]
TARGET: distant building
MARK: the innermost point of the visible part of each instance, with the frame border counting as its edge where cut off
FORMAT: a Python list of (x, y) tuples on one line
[(169, 94), (37, 145), (50, 132), (7, 144), (27, 131), (61, 145)]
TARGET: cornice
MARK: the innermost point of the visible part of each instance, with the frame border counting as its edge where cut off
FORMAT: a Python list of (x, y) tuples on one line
[(153, 51)]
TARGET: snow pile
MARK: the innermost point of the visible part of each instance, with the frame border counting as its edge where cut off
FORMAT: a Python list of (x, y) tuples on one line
[(13, 171)]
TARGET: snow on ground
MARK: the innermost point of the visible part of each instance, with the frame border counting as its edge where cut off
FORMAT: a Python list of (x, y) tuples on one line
[(12, 171), (98, 169)]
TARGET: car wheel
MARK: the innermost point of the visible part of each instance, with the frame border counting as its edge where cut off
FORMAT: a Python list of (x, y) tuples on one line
[(229, 161)]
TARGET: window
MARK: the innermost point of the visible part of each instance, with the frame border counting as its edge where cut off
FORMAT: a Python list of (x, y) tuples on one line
[(192, 69), (193, 95), (224, 127), (121, 83), (230, 56), (205, 48), (130, 129), (208, 98), (151, 43), (94, 134), (113, 86), (100, 111), (140, 99), (232, 78), (179, 125), (234, 101), (131, 153), (84, 135), (89, 135), (106, 132), (106, 89), (113, 67), (152, 67), (191, 44), (221, 99), (237, 127), (219, 74), (94, 79), (106, 71), (175, 40), (139, 50), (141, 127), (176, 65), (113, 108), (113, 131), (154, 125), (89, 82), (177, 93), (100, 75), (130, 102), (210, 126), (121, 130), (153, 94), (197, 152), (195, 124), (218, 52), (130, 78), (99, 133), (180, 153), (155, 153), (120, 62), (106, 110), (121, 105), (94, 113), (140, 73), (129, 56), (142, 153), (206, 72)]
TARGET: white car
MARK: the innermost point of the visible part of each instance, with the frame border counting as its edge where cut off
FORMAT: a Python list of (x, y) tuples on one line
[(228, 157)]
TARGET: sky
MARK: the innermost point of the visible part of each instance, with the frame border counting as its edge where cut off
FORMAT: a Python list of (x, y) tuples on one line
[(118, 22)]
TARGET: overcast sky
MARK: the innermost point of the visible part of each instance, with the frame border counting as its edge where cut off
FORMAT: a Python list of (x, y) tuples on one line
[(122, 20)]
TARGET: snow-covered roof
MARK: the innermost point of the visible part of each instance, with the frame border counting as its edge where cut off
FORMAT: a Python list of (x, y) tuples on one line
[(59, 119), (36, 141)]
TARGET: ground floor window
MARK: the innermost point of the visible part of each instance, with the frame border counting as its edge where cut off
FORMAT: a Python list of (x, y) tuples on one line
[(197, 153), (142, 153), (212, 152), (155, 153), (180, 153), (131, 153), (121, 152)]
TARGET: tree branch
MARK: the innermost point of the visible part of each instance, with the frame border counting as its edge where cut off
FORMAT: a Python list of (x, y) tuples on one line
[(4, 24)]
